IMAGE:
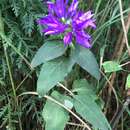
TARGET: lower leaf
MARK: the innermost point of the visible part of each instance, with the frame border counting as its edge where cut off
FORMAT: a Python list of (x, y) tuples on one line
[(52, 72), (85, 105), (54, 115)]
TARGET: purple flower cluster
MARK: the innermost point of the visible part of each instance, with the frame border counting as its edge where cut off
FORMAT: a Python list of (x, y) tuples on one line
[(67, 20)]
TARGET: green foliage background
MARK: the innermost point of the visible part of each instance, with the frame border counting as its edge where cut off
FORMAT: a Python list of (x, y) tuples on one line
[(21, 111)]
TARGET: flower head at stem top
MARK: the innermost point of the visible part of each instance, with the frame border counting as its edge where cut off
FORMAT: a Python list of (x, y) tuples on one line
[(68, 20)]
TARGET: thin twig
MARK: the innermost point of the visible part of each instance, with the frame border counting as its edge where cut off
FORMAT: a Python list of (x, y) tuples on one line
[(12, 83), (10, 73), (74, 124), (60, 104), (24, 80), (112, 89), (76, 116), (124, 28), (125, 64), (120, 44), (61, 85)]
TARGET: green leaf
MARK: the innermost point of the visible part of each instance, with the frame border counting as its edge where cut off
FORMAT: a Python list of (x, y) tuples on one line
[(83, 87), (111, 66), (86, 106), (91, 112), (85, 58), (128, 82), (52, 72), (48, 51), (54, 115)]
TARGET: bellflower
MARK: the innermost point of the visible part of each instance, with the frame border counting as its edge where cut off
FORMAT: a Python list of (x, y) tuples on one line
[(68, 20)]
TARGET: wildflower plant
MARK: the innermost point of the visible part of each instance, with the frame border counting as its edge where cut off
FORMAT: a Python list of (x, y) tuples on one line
[(72, 47), (67, 20), (66, 47), (68, 91)]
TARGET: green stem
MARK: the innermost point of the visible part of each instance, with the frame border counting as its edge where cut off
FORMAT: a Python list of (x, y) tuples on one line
[(12, 82), (8, 42), (10, 74)]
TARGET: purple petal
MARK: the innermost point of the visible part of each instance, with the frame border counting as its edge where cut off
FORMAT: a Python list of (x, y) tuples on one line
[(68, 38), (46, 19), (78, 24), (89, 23), (50, 21), (86, 16), (84, 20), (83, 39), (78, 14), (60, 8), (72, 9), (51, 31), (73, 6), (85, 35), (66, 2), (51, 7)]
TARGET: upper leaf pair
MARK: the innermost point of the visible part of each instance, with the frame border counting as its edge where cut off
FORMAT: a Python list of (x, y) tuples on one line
[(56, 68)]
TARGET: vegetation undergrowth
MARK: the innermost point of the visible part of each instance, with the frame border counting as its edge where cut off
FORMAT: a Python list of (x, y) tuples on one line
[(45, 85)]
